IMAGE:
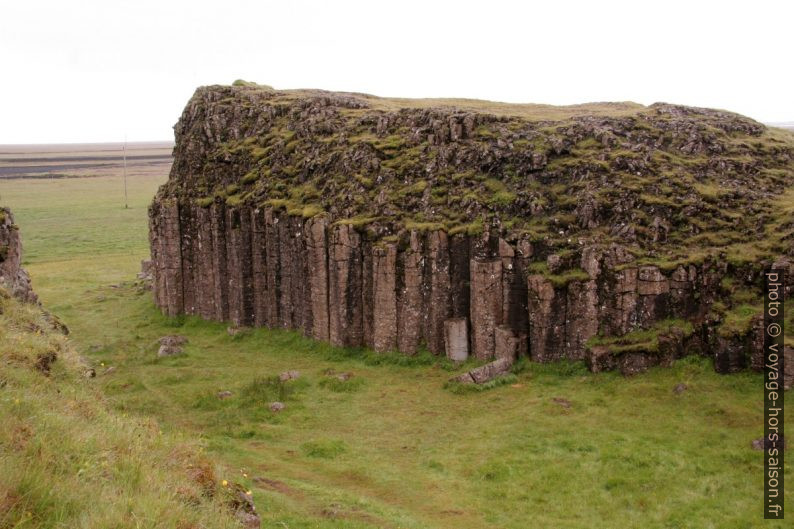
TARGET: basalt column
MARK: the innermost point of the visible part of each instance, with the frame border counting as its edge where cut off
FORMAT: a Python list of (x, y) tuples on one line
[(459, 273), (581, 322), (188, 253), (409, 304), (220, 278), (259, 268), (317, 257), (168, 258), (486, 305), (368, 293), (239, 267), (301, 305), (546, 320), (286, 269), (272, 292), (438, 304), (514, 294), (204, 251), (156, 250), (345, 287), (384, 284)]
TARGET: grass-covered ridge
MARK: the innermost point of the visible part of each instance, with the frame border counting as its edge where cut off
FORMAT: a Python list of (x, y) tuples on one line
[(68, 460), (675, 184)]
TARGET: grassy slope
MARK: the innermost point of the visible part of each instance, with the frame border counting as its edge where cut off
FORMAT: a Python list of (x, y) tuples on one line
[(67, 460), (393, 448)]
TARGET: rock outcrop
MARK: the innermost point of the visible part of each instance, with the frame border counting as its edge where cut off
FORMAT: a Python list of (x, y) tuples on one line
[(597, 236), (12, 276)]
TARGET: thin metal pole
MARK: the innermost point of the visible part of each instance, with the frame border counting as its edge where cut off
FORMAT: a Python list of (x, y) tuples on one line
[(126, 205)]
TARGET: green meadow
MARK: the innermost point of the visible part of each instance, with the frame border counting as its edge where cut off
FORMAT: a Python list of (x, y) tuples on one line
[(388, 445)]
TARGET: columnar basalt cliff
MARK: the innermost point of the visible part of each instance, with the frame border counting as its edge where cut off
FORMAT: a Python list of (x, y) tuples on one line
[(618, 234)]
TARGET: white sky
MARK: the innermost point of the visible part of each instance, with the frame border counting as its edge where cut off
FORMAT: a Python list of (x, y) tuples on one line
[(97, 70)]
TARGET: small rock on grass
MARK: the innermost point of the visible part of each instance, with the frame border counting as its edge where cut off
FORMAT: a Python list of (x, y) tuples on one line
[(680, 388), (565, 403), (224, 394), (171, 345), (758, 444), (276, 407), (289, 375), (168, 350)]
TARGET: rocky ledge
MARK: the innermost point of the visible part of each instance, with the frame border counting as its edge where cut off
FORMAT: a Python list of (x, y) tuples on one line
[(622, 235), (12, 276)]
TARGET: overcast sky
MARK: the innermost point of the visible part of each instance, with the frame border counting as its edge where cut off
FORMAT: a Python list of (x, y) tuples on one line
[(96, 71)]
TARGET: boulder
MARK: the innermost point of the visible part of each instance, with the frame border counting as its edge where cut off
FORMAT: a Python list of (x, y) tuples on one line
[(171, 345), (485, 373)]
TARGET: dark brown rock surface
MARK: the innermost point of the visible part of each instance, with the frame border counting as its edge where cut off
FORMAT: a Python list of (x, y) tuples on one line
[(12, 275)]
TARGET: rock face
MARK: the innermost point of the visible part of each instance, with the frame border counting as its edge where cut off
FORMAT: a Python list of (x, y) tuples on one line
[(441, 228), (12, 275)]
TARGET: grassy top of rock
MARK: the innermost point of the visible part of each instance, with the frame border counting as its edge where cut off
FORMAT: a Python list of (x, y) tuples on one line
[(673, 184)]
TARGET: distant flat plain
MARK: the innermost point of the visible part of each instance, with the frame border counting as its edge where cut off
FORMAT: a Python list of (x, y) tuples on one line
[(85, 159)]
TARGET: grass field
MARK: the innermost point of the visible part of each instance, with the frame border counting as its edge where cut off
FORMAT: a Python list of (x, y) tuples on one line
[(390, 447)]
